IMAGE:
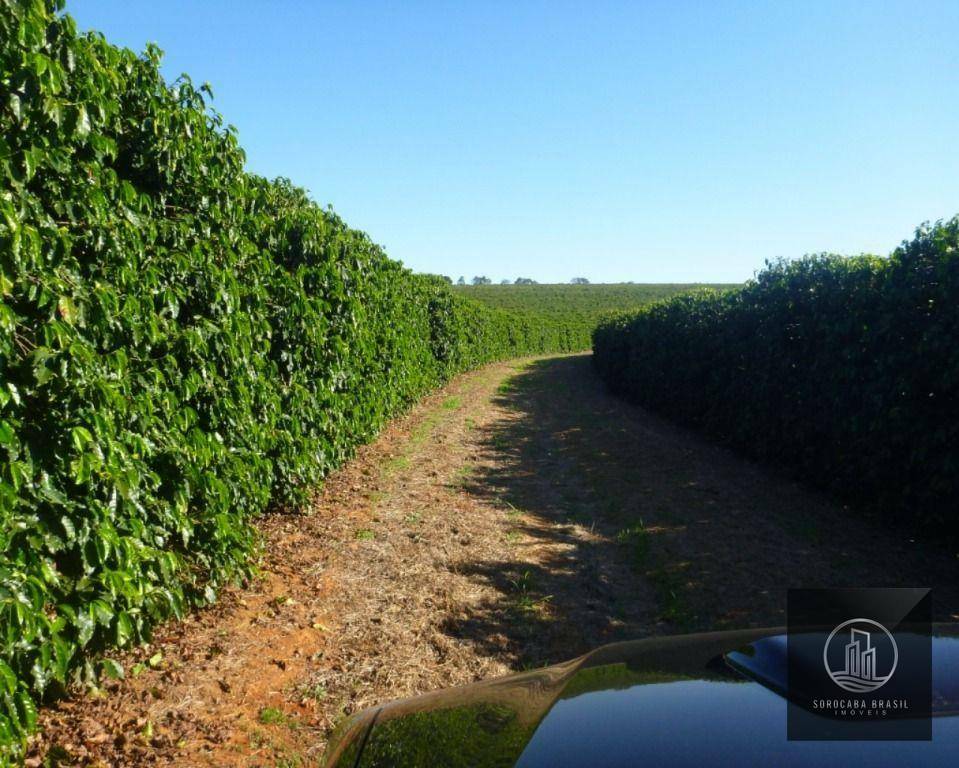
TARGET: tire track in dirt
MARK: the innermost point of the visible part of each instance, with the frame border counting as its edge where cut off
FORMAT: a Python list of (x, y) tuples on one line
[(519, 516)]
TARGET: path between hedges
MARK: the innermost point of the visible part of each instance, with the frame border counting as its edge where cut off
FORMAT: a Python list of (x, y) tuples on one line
[(520, 516)]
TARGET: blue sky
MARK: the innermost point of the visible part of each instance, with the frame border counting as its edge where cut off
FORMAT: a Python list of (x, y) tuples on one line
[(654, 142)]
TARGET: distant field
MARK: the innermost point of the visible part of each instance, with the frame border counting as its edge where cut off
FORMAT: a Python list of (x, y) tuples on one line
[(559, 301)]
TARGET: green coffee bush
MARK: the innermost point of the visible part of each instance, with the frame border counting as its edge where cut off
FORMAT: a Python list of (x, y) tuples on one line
[(842, 370), (182, 345), (577, 309)]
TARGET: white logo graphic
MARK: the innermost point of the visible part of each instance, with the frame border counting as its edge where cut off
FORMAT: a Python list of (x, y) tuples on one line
[(863, 668)]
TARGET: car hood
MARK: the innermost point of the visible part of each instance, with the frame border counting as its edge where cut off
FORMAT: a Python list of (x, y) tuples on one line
[(711, 698)]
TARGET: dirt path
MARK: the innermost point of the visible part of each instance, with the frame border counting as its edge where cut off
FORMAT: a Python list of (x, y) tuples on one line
[(518, 517)]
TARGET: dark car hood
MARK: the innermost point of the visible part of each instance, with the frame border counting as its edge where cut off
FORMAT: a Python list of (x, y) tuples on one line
[(679, 701)]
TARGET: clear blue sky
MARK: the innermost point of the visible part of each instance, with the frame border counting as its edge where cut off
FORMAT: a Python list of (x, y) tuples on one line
[(658, 141)]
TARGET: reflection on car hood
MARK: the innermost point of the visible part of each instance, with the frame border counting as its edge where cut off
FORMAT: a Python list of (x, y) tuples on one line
[(690, 700)]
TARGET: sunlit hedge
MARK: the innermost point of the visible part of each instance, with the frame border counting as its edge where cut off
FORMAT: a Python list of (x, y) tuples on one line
[(843, 370), (182, 344), (577, 309)]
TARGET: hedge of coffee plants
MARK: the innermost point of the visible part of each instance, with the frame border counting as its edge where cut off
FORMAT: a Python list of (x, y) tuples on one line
[(577, 308), (843, 370), (182, 345)]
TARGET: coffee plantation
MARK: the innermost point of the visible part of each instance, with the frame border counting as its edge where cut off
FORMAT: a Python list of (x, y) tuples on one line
[(841, 370), (182, 346), (578, 308)]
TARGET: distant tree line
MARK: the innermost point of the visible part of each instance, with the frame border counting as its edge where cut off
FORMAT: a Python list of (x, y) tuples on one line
[(483, 280)]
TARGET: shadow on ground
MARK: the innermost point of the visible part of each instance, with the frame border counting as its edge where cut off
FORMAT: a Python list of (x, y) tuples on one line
[(625, 525)]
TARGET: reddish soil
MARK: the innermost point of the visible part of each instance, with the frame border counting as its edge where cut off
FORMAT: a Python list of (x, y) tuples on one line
[(518, 517)]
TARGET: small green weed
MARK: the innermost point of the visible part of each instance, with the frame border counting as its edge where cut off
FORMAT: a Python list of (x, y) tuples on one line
[(276, 716), (669, 589), (636, 539)]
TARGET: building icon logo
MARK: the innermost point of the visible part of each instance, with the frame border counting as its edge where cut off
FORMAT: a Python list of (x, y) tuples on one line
[(860, 655)]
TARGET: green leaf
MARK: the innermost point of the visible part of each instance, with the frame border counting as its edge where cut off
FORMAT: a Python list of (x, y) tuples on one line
[(7, 678), (14, 102), (102, 612), (83, 122), (81, 437), (68, 528), (28, 710), (112, 668), (67, 310), (50, 493), (85, 627), (49, 573), (124, 628)]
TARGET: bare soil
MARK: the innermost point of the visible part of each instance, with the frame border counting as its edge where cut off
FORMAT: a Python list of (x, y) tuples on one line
[(518, 517)]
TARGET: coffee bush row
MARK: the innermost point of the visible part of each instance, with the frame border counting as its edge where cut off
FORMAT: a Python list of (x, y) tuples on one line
[(843, 371), (182, 346)]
